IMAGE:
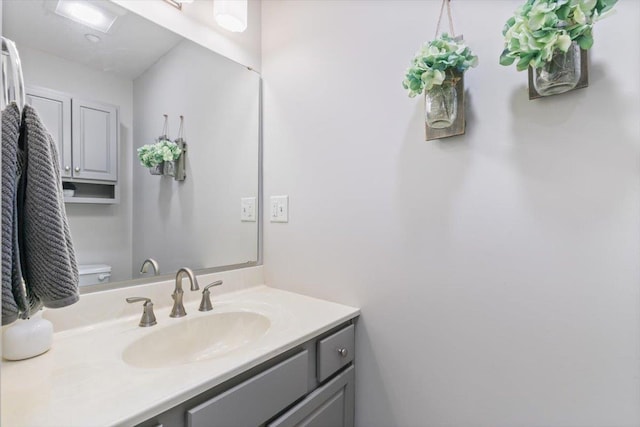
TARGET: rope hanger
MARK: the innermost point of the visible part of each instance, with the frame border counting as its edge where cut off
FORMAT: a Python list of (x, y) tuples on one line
[(448, 3), (165, 127)]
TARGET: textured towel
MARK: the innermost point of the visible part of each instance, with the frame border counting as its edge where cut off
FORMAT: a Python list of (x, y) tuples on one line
[(13, 292), (49, 262)]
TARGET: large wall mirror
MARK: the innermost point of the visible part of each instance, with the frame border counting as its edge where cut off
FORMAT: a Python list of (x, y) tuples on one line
[(145, 71)]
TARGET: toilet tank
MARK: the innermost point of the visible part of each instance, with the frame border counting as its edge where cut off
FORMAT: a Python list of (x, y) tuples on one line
[(92, 274)]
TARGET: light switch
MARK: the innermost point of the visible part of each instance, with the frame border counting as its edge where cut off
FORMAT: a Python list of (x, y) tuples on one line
[(248, 209), (279, 209)]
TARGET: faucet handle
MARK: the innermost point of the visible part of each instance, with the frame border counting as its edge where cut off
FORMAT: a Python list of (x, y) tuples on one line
[(210, 285), (148, 318), (205, 304)]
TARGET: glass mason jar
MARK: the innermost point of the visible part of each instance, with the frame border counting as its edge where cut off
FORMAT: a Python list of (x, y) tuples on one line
[(560, 74), (441, 106), (170, 168), (157, 169)]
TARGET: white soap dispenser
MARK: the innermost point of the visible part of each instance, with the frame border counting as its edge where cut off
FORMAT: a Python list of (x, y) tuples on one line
[(27, 338)]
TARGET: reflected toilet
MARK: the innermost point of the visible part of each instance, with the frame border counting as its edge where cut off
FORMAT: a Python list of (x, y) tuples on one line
[(93, 274)]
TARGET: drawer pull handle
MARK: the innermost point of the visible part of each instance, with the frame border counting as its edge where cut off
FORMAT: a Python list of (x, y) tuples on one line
[(343, 352)]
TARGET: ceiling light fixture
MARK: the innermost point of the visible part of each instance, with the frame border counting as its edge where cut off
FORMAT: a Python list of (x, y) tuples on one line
[(231, 14), (86, 13), (93, 38)]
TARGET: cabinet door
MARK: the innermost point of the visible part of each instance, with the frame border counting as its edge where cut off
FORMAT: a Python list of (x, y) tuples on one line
[(54, 109), (331, 405), (95, 140)]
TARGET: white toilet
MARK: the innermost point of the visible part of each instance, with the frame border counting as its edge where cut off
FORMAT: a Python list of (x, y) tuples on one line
[(93, 274)]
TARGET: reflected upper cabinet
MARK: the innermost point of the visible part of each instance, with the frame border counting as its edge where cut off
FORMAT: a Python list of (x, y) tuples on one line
[(95, 140), (54, 108), (85, 132)]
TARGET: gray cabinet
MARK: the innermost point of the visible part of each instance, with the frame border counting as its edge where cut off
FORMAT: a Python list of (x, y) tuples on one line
[(95, 139), (54, 108), (331, 405), (311, 385), (86, 134)]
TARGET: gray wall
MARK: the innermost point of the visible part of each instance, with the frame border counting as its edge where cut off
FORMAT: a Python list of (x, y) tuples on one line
[(101, 233), (219, 100), (497, 272)]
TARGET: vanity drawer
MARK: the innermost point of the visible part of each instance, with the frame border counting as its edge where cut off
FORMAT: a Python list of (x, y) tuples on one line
[(334, 352), (230, 408)]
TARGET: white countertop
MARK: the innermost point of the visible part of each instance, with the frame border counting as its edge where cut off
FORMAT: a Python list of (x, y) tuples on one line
[(83, 381)]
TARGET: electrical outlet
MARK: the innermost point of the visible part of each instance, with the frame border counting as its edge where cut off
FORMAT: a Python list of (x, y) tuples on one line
[(248, 209), (279, 211)]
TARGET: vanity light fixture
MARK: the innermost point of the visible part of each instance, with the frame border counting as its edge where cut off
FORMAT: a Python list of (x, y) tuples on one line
[(86, 13), (231, 14)]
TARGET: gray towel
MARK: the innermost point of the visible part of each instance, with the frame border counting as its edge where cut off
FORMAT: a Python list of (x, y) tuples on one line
[(14, 298), (49, 266)]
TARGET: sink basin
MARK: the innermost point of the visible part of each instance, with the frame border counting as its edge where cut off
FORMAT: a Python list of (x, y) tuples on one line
[(196, 339)]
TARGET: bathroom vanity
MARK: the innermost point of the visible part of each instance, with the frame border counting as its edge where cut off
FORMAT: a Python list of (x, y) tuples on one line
[(261, 357), (312, 384)]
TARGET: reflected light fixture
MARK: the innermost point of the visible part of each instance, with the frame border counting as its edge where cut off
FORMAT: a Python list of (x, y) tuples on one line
[(86, 13), (93, 38), (178, 3), (231, 14)]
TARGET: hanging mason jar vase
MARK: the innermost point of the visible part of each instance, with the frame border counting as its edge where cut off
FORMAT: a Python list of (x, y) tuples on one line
[(561, 74), (437, 71), (441, 106)]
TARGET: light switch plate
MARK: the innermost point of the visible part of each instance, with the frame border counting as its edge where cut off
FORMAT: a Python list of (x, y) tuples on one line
[(279, 209), (248, 209)]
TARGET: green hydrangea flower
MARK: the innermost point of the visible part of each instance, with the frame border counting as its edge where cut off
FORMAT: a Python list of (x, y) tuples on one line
[(437, 63), (541, 26), (164, 150)]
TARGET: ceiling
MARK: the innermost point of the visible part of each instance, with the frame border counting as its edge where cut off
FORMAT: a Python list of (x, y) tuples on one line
[(128, 49)]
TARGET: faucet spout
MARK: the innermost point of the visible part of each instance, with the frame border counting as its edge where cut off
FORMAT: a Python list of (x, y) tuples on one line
[(178, 307), (150, 262), (193, 280)]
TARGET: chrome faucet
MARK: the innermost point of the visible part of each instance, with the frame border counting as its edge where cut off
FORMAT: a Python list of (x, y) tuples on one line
[(178, 308), (154, 265)]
